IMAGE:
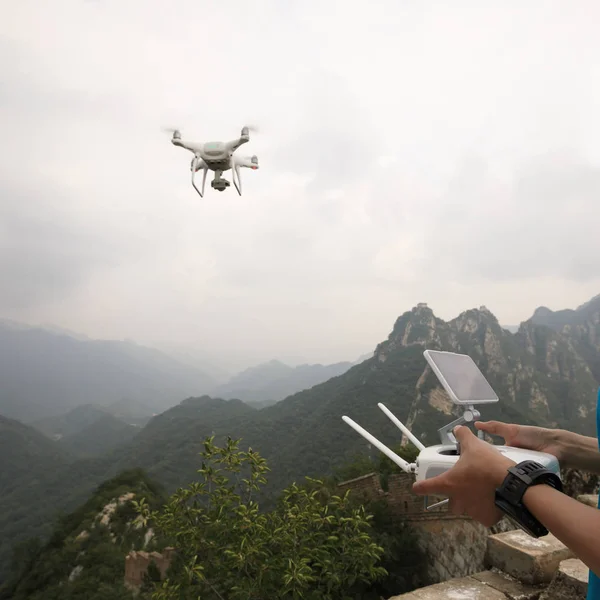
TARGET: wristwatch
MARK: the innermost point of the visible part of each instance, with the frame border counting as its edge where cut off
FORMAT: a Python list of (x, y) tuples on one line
[(509, 496)]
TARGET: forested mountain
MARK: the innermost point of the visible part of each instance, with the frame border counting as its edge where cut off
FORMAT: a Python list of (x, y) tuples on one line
[(71, 422), (88, 430), (44, 373), (96, 439), (85, 555), (37, 478), (539, 374), (543, 375)]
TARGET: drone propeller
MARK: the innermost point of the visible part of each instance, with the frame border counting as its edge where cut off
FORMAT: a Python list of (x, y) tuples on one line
[(172, 130)]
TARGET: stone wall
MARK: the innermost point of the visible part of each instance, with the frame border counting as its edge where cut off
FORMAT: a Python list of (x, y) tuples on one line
[(455, 546), (399, 495), (137, 563), (577, 483), (367, 486), (517, 567)]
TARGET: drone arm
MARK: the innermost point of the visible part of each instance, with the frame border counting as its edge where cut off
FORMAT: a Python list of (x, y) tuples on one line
[(191, 146), (235, 144), (249, 162)]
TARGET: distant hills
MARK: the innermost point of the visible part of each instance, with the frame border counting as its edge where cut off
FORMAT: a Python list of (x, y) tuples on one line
[(547, 373), (135, 415), (273, 381), (46, 373)]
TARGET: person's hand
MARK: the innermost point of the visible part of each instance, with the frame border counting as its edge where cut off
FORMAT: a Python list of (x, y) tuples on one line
[(471, 483), (525, 436)]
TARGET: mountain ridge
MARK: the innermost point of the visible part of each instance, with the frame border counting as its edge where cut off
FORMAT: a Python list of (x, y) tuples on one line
[(272, 381), (544, 375), (537, 373)]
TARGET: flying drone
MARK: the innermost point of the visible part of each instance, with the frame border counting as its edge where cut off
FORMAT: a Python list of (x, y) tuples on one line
[(218, 157), (466, 386)]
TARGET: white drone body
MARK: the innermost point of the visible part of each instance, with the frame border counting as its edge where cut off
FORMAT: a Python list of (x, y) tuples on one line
[(466, 386), (218, 157)]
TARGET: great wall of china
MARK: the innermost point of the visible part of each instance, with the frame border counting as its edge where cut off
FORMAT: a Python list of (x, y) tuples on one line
[(465, 560)]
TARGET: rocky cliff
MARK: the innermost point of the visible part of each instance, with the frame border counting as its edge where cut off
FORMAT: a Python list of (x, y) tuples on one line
[(546, 373)]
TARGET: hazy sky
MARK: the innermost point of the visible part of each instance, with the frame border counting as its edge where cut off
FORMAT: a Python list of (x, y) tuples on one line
[(445, 152)]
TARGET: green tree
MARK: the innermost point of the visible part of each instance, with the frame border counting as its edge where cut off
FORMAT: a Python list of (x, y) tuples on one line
[(403, 559), (226, 549)]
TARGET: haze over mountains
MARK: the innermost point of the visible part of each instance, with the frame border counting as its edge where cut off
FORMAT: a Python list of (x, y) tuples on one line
[(44, 373), (270, 382), (547, 373), (47, 372)]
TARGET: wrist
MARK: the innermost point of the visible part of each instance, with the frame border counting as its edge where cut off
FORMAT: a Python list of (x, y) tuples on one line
[(499, 470), (563, 443), (575, 451)]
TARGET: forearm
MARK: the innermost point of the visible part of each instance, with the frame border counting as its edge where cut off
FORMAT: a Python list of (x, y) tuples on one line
[(579, 451), (575, 524)]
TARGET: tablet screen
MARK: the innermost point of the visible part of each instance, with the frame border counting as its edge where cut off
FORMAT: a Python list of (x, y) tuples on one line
[(462, 376)]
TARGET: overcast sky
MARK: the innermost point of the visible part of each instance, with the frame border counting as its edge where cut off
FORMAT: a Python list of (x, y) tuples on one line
[(439, 152)]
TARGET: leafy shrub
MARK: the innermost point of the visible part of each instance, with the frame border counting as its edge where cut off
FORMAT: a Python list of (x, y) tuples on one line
[(227, 549)]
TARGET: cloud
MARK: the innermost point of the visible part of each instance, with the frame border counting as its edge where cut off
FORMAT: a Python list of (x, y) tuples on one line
[(540, 223), (46, 252), (408, 152)]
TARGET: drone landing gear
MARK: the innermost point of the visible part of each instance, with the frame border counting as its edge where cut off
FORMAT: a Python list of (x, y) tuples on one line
[(235, 174), (194, 169)]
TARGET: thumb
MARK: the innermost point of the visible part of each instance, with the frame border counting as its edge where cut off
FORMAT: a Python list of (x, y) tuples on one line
[(464, 436)]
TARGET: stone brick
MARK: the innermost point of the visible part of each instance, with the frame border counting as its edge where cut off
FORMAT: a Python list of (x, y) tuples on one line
[(510, 587), (459, 545), (569, 583), (365, 486), (466, 588), (137, 563), (528, 559), (589, 499)]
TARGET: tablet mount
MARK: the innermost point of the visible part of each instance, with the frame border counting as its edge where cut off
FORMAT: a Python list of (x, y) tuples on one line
[(470, 415)]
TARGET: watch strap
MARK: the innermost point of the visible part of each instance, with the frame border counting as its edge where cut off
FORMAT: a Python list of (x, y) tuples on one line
[(522, 518), (509, 496), (523, 476)]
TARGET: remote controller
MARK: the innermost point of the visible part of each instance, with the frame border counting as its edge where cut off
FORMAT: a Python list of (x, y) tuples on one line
[(466, 385)]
